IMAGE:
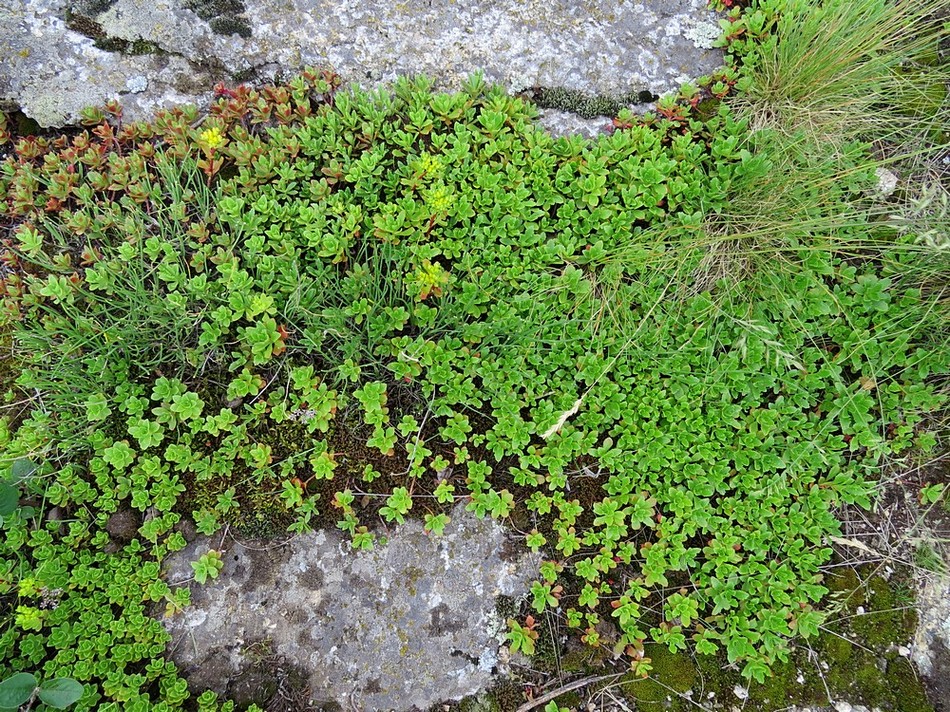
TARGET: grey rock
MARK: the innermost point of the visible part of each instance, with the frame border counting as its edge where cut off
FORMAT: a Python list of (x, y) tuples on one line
[(123, 526), (564, 123), (838, 706), (53, 69), (186, 527), (929, 649), (407, 625)]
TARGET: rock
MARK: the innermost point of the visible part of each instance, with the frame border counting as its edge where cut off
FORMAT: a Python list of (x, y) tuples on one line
[(187, 529), (123, 526), (939, 677), (838, 706), (740, 692), (886, 181), (62, 55), (930, 649), (933, 607), (55, 518), (408, 625)]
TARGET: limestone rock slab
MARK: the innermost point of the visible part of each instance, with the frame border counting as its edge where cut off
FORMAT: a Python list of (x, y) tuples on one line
[(54, 67), (407, 625)]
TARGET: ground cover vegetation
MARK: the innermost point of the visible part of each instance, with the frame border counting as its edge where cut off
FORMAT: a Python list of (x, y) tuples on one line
[(664, 357)]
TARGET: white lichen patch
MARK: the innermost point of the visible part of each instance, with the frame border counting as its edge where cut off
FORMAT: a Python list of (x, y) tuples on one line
[(702, 34), (137, 84)]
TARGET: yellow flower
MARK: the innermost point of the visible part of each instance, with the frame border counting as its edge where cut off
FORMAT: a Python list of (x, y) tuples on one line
[(429, 166), (212, 137), (438, 198)]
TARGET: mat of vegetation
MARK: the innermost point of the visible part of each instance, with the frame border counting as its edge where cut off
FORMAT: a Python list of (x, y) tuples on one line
[(664, 357)]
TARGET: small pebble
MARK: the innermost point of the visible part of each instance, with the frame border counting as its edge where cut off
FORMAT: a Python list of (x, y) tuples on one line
[(886, 181), (843, 707), (904, 651), (741, 692)]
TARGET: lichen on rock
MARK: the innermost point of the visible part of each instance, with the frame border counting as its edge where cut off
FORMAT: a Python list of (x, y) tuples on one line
[(407, 625), (601, 51)]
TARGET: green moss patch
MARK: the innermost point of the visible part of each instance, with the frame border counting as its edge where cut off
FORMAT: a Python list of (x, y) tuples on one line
[(225, 17), (586, 105)]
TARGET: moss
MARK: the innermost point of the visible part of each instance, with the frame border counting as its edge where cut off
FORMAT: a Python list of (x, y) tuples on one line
[(782, 688), (112, 44), (143, 47), (8, 369), (585, 105), (859, 650), (208, 9), (672, 670), (25, 125), (577, 660), (904, 690), (134, 48), (93, 7), (505, 607), (707, 108), (485, 702), (854, 658), (547, 656), (844, 585), (266, 519), (225, 17), (231, 26), (648, 695), (570, 700), (244, 75), (507, 696), (711, 674), (84, 26), (887, 620), (576, 102), (837, 648), (673, 674)]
